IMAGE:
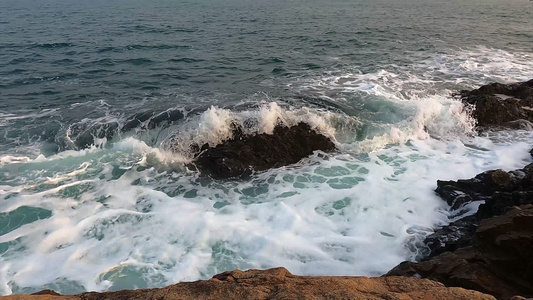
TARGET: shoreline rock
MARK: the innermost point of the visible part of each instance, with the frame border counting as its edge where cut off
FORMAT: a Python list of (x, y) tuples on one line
[(499, 190), (279, 283), (499, 261), (490, 251)]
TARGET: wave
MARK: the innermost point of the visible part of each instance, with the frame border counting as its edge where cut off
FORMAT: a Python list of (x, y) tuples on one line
[(126, 212)]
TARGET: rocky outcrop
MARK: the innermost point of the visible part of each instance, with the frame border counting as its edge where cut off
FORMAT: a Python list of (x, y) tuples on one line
[(502, 105), (489, 251), (499, 261), (243, 154), (499, 190), (280, 284)]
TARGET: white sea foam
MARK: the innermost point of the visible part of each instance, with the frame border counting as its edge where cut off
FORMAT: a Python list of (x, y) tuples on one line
[(129, 214), (216, 125), (329, 215)]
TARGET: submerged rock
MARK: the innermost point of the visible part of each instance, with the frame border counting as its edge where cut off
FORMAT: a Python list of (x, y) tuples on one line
[(502, 105), (279, 283), (242, 154)]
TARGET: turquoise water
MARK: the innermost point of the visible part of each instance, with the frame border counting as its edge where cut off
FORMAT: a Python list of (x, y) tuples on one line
[(125, 212)]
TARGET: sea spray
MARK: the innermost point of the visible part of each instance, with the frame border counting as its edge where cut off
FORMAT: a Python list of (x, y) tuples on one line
[(126, 212)]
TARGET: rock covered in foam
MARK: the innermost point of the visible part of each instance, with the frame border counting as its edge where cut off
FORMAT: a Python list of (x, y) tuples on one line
[(279, 283), (242, 154), (502, 105)]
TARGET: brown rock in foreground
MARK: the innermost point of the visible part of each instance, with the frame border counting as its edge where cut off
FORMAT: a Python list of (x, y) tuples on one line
[(280, 284), (500, 261)]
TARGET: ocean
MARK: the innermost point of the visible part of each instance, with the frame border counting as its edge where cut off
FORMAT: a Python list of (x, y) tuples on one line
[(100, 102)]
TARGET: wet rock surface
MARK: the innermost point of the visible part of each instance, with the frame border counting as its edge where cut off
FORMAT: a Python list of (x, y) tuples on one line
[(502, 105), (243, 154), (281, 284), (499, 261), (500, 190), (490, 251)]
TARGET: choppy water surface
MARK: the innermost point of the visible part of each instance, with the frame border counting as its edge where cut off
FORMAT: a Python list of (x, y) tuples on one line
[(125, 212)]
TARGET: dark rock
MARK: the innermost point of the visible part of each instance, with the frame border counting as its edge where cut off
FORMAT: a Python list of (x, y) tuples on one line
[(485, 186), (454, 236), (518, 190), (243, 154), (520, 90), (502, 105), (499, 190), (489, 251), (499, 261), (461, 192)]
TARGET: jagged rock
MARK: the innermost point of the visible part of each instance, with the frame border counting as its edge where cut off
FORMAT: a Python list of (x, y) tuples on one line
[(281, 284), (502, 105), (520, 90), (500, 191), (489, 251), (242, 154), (485, 186), (499, 262), (454, 236), (463, 191)]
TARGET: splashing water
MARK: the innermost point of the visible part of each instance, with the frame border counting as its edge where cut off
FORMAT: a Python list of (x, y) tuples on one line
[(125, 212)]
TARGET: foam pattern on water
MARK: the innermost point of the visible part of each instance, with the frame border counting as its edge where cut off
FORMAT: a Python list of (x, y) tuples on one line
[(113, 220), (127, 213)]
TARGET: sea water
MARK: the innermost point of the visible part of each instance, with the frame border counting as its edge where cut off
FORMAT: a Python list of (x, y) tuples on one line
[(376, 77)]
